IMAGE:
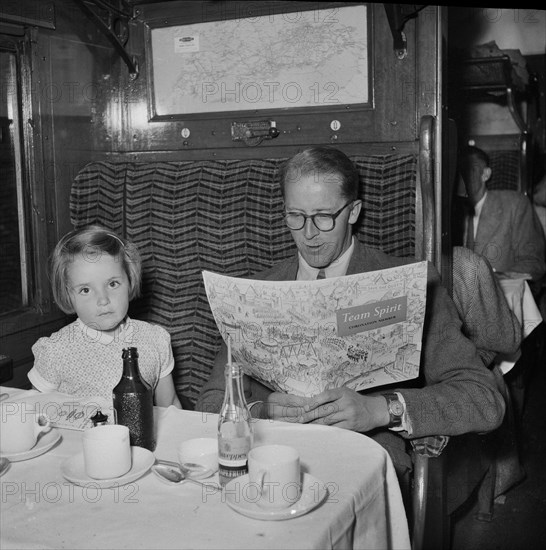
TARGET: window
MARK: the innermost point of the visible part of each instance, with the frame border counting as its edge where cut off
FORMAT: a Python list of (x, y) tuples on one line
[(13, 261)]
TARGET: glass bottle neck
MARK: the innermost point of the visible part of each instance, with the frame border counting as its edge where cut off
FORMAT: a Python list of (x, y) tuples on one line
[(131, 370), (130, 364), (234, 398)]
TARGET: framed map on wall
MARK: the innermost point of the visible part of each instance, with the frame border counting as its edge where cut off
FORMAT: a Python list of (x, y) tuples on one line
[(307, 59)]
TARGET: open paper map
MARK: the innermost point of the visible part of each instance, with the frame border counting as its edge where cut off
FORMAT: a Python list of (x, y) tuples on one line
[(302, 337)]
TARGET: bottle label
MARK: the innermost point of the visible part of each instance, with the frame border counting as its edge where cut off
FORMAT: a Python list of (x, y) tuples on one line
[(232, 457)]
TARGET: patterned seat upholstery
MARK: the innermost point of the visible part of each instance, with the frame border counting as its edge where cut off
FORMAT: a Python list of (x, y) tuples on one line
[(505, 166), (223, 216)]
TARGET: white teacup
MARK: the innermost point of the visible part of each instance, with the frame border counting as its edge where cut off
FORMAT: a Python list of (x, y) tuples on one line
[(275, 471), (107, 451), (199, 457), (20, 427)]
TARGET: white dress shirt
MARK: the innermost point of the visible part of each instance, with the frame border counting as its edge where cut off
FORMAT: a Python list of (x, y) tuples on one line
[(478, 207)]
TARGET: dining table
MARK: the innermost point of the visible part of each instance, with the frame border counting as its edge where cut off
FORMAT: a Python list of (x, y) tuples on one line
[(353, 499)]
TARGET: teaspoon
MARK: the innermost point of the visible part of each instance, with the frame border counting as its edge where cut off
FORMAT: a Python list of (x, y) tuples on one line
[(173, 475), (4, 465)]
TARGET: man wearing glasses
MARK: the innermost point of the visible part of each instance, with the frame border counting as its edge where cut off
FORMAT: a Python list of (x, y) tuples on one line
[(454, 394)]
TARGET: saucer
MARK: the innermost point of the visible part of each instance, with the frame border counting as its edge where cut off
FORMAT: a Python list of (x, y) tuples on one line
[(4, 465), (46, 442), (73, 469), (313, 493)]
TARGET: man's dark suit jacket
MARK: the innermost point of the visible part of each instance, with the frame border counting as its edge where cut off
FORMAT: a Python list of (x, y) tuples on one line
[(509, 233)]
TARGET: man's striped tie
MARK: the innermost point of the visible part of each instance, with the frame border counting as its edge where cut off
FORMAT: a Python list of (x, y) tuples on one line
[(321, 274)]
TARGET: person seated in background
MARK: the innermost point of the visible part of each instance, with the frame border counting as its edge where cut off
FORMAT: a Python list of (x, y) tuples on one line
[(487, 319), (499, 224), (454, 393)]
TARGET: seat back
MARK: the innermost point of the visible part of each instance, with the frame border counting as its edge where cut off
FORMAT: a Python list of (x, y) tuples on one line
[(505, 170), (224, 216)]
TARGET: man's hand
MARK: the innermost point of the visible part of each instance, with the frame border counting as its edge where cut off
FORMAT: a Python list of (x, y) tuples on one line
[(339, 407), (287, 407)]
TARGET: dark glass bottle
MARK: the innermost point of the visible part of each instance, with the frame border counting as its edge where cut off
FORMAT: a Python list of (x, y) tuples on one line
[(134, 402), (234, 428)]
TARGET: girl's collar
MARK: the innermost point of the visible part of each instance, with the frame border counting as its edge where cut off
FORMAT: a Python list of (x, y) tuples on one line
[(124, 333)]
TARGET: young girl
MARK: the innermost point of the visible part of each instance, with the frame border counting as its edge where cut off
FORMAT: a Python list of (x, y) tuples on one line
[(95, 274)]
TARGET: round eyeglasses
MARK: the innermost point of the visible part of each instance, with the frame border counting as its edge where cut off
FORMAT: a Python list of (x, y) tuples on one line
[(323, 222)]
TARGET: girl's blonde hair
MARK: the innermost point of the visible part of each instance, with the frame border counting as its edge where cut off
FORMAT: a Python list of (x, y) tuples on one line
[(91, 242)]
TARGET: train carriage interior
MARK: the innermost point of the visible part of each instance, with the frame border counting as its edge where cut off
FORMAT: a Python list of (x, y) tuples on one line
[(116, 112)]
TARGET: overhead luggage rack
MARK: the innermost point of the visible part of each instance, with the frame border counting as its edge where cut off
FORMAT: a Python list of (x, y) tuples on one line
[(495, 79), (487, 74)]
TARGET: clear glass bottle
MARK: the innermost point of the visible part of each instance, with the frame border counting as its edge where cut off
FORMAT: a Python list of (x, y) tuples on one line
[(134, 402), (234, 428)]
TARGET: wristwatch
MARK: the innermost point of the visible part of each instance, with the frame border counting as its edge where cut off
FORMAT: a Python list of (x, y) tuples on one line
[(396, 410)]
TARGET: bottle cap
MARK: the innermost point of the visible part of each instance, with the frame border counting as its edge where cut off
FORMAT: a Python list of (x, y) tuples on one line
[(99, 418)]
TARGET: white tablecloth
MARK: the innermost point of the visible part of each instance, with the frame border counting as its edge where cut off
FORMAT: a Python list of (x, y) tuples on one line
[(364, 510), (521, 301)]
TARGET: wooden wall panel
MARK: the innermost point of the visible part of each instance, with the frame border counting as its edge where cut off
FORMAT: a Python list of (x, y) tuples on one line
[(403, 90), (78, 94)]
